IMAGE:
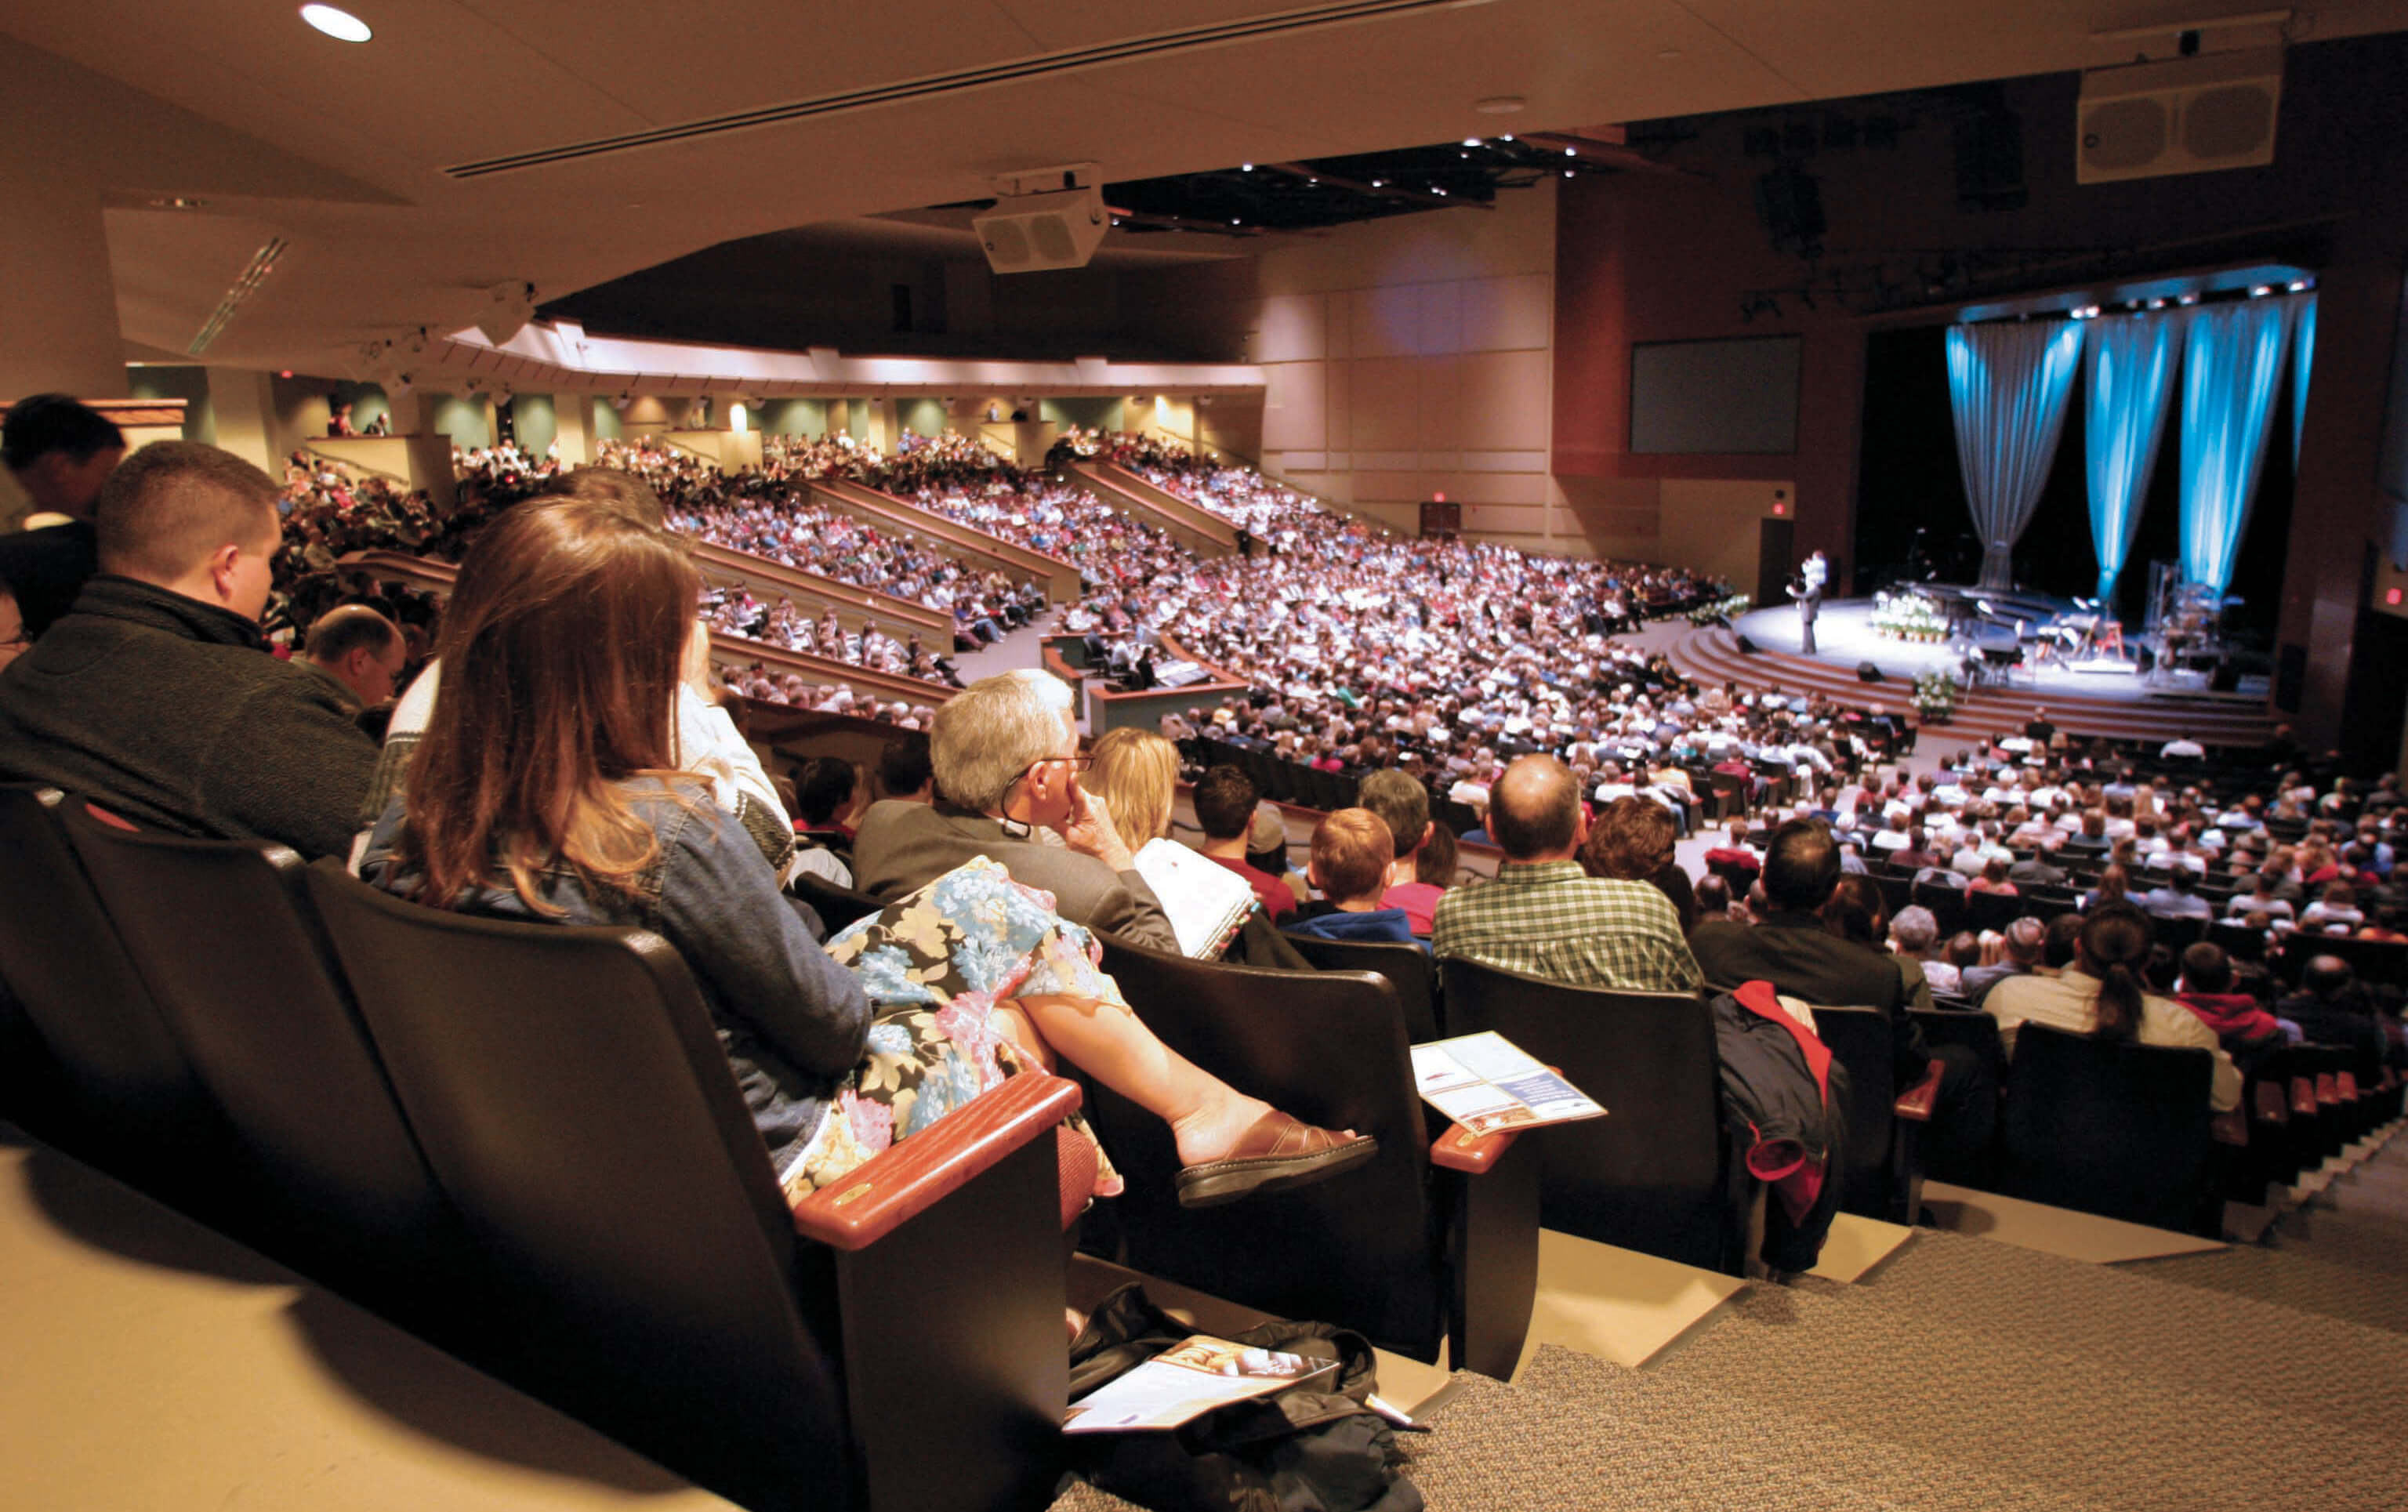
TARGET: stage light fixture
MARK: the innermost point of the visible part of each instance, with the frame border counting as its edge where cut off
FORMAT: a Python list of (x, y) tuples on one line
[(1471, 141), (1245, 167), (339, 24), (2299, 286), (1572, 152), (2188, 299)]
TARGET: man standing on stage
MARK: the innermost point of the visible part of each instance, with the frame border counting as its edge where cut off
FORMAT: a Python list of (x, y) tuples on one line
[(1811, 576)]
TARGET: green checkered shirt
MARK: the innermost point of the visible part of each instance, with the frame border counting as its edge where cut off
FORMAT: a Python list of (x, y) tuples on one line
[(1550, 918)]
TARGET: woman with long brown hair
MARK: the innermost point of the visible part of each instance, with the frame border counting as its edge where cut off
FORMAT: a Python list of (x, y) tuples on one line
[(544, 789)]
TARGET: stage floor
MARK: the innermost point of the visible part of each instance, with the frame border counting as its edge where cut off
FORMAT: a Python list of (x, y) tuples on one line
[(1844, 636)]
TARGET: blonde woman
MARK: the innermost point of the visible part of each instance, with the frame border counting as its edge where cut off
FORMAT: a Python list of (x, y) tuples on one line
[(1135, 772)]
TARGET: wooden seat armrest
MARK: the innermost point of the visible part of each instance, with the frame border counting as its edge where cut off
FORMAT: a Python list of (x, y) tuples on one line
[(2231, 1127), (906, 1179), (2270, 1105), (1459, 1150), (1918, 1101)]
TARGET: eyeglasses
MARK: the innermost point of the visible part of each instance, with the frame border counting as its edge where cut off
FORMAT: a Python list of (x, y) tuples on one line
[(1076, 764)]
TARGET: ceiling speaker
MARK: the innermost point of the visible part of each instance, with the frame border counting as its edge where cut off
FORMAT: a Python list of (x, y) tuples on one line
[(1026, 232), (2193, 114)]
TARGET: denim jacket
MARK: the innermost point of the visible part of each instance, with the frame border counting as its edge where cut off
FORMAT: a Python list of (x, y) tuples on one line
[(794, 1022)]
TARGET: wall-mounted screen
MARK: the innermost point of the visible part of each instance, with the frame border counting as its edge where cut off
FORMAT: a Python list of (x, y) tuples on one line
[(1737, 395)]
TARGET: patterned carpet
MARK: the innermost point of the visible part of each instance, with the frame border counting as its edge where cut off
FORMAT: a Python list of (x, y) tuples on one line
[(1969, 1373)]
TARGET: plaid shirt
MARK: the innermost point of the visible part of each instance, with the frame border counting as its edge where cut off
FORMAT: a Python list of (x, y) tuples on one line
[(1550, 918)]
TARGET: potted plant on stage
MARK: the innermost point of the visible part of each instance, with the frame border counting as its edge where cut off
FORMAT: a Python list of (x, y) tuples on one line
[(1935, 696)]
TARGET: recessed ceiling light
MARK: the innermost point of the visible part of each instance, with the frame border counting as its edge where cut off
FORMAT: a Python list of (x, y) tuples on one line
[(1499, 105), (176, 202), (339, 24), (1669, 54), (1471, 141)]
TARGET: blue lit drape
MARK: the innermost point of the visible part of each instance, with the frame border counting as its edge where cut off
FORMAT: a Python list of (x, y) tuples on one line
[(2008, 384), (2130, 364), (2303, 362), (2232, 367)]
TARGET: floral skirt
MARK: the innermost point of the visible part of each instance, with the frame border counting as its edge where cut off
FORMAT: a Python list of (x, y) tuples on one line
[(935, 964)]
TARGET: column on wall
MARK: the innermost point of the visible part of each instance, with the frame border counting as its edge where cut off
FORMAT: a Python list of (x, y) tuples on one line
[(572, 419), (245, 416)]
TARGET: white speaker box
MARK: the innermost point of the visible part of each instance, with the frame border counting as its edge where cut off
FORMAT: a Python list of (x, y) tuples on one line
[(1062, 229), (2192, 115)]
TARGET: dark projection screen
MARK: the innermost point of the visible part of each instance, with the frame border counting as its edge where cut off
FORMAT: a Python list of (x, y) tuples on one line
[(1739, 395)]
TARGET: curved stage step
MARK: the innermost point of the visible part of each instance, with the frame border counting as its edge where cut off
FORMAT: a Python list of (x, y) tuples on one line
[(1713, 656)]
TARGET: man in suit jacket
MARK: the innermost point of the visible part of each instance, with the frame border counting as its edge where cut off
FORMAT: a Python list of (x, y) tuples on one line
[(1007, 761), (1790, 947)]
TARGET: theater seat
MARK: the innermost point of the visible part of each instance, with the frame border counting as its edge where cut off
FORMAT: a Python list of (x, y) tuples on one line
[(125, 1098), (1412, 1248), (2111, 1127), (896, 1344), (1409, 969), (836, 905), (1653, 1175), (224, 936), (1884, 1168)]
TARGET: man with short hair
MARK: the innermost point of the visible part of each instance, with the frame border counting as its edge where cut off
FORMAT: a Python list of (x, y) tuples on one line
[(1007, 762), (1398, 800), (1225, 799), (1546, 917), (2022, 943), (1351, 851), (904, 772), (357, 649), (155, 696), (1790, 947), (60, 452), (2179, 898)]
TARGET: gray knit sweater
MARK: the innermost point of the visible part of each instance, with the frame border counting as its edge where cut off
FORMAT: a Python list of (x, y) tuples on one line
[(171, 712)]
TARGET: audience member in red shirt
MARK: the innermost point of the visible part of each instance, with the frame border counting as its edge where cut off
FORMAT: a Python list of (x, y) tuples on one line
[(1225, 806), (2242, 1024)]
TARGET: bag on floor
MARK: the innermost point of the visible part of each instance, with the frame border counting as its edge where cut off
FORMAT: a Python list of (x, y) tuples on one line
[(1314, 1448)]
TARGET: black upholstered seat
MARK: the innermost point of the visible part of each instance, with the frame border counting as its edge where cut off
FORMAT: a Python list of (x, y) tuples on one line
[(2109, 1127), (1403, 1252), (1408, 968), (1655, 1173), (577, 1109)]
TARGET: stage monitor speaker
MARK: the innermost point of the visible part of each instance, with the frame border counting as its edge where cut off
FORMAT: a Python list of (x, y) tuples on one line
[(1027, 233), (1867, 672), (1747, 646), (2192, 115)]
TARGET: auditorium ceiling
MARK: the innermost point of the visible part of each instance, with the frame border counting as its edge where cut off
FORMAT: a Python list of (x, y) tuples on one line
[(476, 142)]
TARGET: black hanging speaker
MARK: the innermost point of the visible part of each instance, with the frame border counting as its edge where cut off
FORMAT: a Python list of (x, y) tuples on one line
[(1867, 672), (1746, 646)]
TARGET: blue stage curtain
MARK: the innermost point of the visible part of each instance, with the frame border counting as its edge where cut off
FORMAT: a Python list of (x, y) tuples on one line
[(2232, 367), (2130, 366), (2303, 362), (2008, 382)]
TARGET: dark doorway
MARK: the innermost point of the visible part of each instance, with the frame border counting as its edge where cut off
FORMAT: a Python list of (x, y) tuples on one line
[(1775, 540)]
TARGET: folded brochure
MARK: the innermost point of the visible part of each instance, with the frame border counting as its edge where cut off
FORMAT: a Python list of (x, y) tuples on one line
[(1485, 1082), (1184, 1382)]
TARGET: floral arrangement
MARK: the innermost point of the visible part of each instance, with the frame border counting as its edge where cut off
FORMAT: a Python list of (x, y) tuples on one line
[(1908, 617), (1726, 609), (1935, 696)]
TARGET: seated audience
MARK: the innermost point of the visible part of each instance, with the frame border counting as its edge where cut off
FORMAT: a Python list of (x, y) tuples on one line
[(2102, 993), (156, 697), (1434, 868), (2333, 1008), (567, 807), (1351, 851), (1914, 944), (905, 772), (1791, 947), (1225, 799), (1633, 839), (1137, 776), (1402, 804), (2179, 898), (2019, 951), (2335, 912), (1544, 915), (708, 744), (359, 652), (60, 452), (2246, 1031), (824, 798), (1007, 761)]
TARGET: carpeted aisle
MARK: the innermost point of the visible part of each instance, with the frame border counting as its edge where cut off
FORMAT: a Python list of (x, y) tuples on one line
[(1970, 1374)]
